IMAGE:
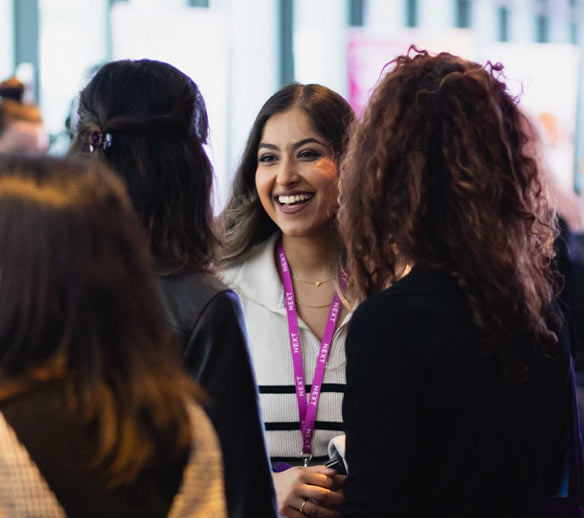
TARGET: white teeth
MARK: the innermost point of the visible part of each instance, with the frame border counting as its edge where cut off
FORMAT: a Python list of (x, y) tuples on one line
[(288, 200)]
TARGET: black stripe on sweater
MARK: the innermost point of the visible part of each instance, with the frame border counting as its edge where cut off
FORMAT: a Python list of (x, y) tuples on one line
[(318, 425), (316, 458), (290, 389)]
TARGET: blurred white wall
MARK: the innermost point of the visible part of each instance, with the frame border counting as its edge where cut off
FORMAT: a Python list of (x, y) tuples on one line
[(229, 49), (382, 16), (436, 16), (72, 39), (6, 39), (193, 40), (253, 70), (320, 50), (74, 35)]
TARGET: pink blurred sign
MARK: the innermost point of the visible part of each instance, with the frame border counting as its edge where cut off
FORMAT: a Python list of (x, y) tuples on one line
[(367, 54)]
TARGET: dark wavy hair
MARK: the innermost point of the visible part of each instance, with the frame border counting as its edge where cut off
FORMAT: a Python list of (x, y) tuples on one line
[(244, 221), (77, 286), (441, 172), (158, 124)]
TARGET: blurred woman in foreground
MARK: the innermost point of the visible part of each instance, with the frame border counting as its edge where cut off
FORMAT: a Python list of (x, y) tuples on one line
[(91, 393)]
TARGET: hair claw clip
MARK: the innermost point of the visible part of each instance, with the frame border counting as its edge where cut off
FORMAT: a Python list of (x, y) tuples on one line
[(99, 139)]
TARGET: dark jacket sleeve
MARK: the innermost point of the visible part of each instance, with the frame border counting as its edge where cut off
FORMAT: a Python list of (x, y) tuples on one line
[(217, 356)]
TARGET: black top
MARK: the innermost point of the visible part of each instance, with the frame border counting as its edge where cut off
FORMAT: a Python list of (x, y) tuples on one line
[(432, 427), (570, 262), (209, 319)]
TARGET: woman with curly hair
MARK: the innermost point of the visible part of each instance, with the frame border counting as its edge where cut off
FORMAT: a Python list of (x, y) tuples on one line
[(458, 384), (283, 257)]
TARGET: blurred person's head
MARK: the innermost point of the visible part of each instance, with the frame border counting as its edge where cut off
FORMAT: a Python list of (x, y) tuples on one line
[(249, 217), (21, 124), (544, 133), (441, 173), (77, 303), (148, 122)]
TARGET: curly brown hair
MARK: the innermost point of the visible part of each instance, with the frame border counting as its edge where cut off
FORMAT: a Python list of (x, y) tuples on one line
[(441, 172)]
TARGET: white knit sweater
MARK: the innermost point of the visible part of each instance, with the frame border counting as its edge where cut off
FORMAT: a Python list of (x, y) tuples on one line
[(258, 285)]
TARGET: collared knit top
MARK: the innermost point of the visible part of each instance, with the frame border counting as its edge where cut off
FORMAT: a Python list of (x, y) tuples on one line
[(257, 283)]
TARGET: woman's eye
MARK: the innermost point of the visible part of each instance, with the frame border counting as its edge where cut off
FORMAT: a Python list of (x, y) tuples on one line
[(310, 154), (266, 158)]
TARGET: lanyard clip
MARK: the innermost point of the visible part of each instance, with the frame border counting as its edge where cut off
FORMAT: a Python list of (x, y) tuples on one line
[(306, 458)]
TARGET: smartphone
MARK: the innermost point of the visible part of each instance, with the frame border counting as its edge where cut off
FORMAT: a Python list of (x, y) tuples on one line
[(337, 464)]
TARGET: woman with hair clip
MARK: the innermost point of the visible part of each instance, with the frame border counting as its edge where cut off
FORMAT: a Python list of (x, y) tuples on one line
[(283, 257), (96, 416), (458, 376), (148, 122)]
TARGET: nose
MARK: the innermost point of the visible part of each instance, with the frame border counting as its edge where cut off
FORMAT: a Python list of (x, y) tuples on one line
[(287, 173)]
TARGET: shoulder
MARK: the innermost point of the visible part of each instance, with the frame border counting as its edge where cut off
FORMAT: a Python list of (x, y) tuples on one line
[(423, 290), (202, 492), (23, 490), (229, 274), (421, 312), (204, 285), (255, 278), (202, 431), (185, 297), (257, 256)]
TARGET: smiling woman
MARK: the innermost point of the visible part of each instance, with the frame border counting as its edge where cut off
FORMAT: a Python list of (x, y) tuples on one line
[(296, 176), (283, 257)]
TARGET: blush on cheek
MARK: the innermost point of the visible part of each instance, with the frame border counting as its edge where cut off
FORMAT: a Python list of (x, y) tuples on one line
[(263, 190), (329, 169)]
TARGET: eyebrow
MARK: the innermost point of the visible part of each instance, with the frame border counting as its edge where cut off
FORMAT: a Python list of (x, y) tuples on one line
[(295, 146)]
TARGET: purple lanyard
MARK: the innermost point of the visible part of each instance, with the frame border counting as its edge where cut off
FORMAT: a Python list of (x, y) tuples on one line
[(306, 407)]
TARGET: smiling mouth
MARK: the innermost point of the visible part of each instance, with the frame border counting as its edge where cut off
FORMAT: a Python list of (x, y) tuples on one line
[(295, 199)]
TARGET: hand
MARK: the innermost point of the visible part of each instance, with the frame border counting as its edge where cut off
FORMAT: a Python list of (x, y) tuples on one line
[(339, 482), (318, 486)]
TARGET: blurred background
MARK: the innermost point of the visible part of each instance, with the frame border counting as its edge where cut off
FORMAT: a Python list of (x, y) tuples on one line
[(240, 51)]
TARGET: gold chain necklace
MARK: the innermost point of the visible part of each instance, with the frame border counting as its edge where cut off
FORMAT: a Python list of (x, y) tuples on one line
[(314, 283)]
